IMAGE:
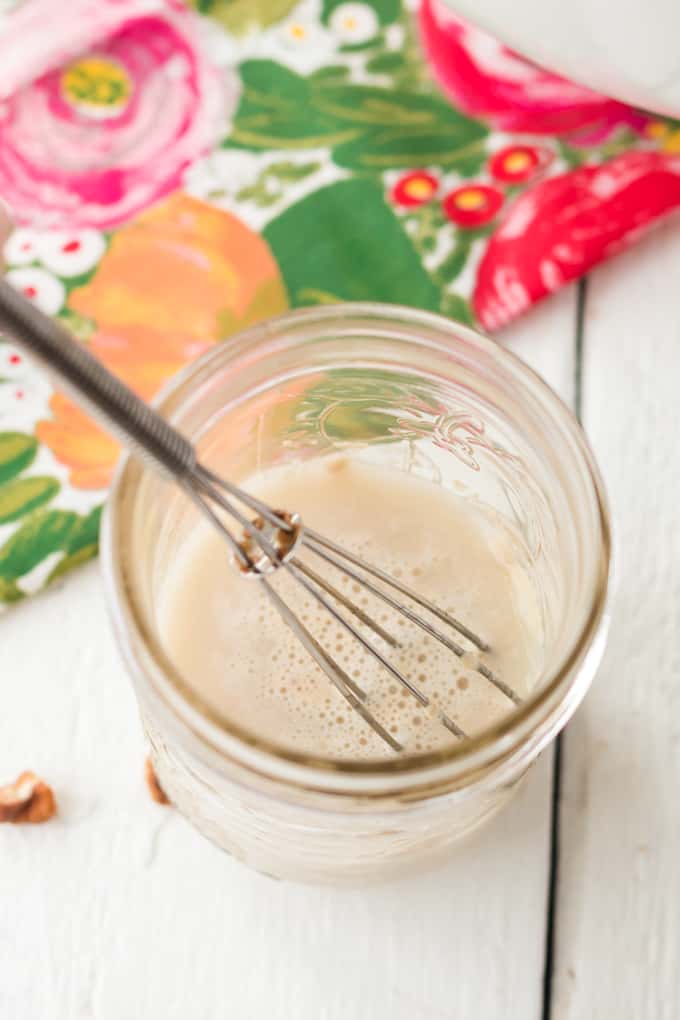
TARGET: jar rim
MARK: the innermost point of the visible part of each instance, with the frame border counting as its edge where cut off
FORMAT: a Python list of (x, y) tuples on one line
[(535, 721)]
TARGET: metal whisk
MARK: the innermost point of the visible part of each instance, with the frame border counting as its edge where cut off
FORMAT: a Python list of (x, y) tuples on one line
[(269, 542)]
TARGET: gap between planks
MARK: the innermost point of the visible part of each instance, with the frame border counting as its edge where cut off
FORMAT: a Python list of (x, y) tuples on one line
[(552, 904)]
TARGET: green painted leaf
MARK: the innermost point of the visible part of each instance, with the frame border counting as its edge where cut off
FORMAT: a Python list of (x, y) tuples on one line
[(344, 240), (241, 16), (286, 170), (22, 495), (456, 307), (374, 106), (386, 149), (271, 85), (270, 131), (574, 158), (275, 110), (10, 591), (367, 127), (453, 264), (17, 452), (267, 188), (330, 74), (45, 532), (68, 563), (385, 63), (258, 195), (387, 10), (85, 533), (360, 47)]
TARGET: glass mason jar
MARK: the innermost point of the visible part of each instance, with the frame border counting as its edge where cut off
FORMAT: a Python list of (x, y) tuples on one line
[(439, 401)]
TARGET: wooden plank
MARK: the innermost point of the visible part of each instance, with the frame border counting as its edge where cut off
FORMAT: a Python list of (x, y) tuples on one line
[(545, 339), (618, 941), (119, 909)]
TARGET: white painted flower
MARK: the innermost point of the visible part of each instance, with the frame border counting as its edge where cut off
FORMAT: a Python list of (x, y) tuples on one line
[(21, 247), (354, 23), (70, 253), (13, 364), (24, 400), (41, 287), (300, 34), (24, 392)]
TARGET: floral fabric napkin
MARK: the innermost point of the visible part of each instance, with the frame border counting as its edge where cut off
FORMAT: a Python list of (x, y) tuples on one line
[(180, 171)]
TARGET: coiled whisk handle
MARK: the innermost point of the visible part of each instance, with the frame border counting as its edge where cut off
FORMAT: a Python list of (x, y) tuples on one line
[(78, 373)]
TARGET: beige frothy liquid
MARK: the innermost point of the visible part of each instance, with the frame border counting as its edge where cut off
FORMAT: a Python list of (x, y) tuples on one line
[(232, 647)]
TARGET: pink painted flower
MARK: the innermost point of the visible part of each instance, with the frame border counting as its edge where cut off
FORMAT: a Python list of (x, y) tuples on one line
[(97, 140), (28, 51), (486, 79)]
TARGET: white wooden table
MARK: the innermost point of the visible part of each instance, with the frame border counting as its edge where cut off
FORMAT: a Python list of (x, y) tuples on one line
[(567, 907)]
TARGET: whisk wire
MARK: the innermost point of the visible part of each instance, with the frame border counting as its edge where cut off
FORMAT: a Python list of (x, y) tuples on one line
[(208, 479), (317, 539), (342, 682), (326, 594), (400, 607), (363, 641), (355, 610), (196, 497)]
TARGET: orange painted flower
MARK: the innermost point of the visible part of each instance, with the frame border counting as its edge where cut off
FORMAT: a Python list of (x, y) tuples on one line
[(183, 267), (172, 284), (76, 441)]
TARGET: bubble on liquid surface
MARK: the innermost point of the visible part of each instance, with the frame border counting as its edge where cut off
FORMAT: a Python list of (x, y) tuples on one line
[(233, 647)]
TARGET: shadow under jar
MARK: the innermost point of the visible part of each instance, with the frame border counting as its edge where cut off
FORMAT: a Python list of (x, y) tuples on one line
[(419, 394)]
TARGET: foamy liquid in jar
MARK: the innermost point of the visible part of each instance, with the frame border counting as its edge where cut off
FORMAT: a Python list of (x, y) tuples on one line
[(232, 647)]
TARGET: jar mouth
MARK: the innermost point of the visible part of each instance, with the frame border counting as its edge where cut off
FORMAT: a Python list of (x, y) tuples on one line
[(533, 723)]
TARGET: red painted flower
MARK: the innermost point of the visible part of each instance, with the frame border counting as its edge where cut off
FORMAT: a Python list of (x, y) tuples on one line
[(517, 163), (559, 229), (472, 205), (414, 188)]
